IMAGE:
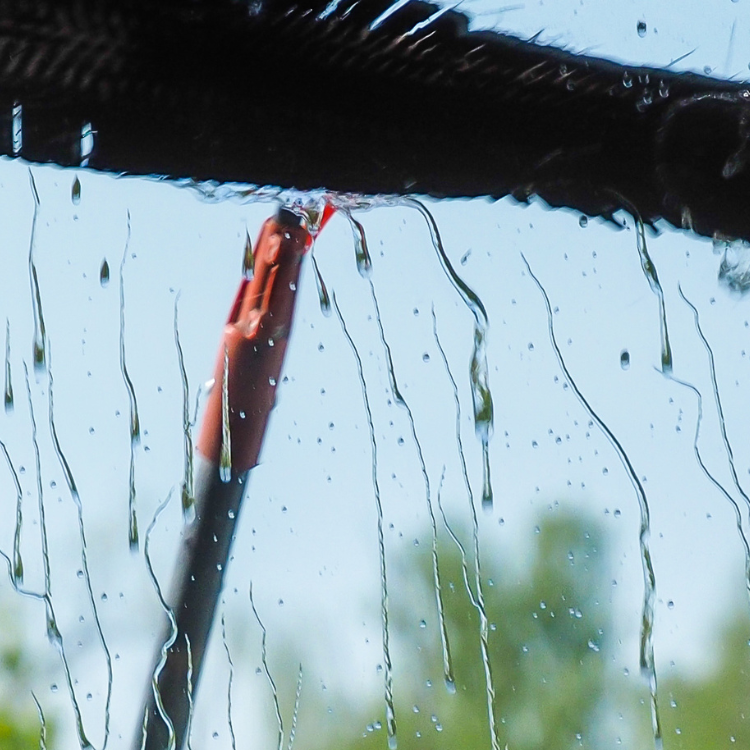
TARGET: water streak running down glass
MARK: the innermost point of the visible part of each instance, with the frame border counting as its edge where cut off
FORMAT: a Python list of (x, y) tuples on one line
[(585, 384)]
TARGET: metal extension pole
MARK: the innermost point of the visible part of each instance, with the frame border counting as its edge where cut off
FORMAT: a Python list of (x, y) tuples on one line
[(247, 370)]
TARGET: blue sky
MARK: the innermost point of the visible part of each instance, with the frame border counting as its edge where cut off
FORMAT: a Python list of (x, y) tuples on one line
[(307, 534)]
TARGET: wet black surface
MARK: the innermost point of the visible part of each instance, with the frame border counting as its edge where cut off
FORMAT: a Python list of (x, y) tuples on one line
[(305, 97)]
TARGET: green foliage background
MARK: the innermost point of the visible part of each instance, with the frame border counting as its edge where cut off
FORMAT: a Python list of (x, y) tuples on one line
[(551, 645), (551, 637)]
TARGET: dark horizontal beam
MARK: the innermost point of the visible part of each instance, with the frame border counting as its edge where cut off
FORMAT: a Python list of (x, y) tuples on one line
[(305, 96)]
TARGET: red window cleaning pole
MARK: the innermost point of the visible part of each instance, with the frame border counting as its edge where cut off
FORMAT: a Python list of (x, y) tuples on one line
[(247, 372)]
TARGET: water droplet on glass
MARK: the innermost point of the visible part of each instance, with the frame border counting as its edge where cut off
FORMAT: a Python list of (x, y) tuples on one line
[(75, 192), (104, 273), (625, 359), (642, 28), (583, 221), (323, 297), (248, 258), (361, 251), (38, 355)]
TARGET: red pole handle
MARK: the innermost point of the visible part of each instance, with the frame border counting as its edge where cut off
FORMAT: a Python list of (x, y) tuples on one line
[(252, 350)]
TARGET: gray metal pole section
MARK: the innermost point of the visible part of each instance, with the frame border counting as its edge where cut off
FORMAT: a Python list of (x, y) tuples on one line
[(201, 564)]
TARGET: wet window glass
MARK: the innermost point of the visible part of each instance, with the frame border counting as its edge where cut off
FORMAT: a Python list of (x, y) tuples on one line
[(502, 497)]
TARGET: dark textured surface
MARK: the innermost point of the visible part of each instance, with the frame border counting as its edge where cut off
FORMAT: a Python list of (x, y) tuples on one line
[(284, 94)]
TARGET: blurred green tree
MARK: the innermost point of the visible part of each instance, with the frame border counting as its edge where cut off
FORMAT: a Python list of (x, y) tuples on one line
[(551, 639), (713, 712), (548, 634)]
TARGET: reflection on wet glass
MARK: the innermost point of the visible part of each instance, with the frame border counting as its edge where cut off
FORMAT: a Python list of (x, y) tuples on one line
[(135, 425), (188, 494), (616, 543)]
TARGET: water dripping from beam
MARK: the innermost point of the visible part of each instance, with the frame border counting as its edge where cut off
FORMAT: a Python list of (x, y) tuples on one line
[(135, 429), (364, 264), (73, 489), (230, 722), (42, 723), (720, 412), (8, 397), (264, 661), (170, 639), (478, 599), (17, 128), (323, 296), (295, 712), (75, 191), (390, 712), (719, 486), (53, 631), (646, 655), (649, 270), (478, 370), (717, 397), (188, 493), (40, 336)]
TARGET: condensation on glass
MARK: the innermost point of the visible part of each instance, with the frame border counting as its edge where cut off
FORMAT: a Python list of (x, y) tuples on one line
[(502, 502)]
